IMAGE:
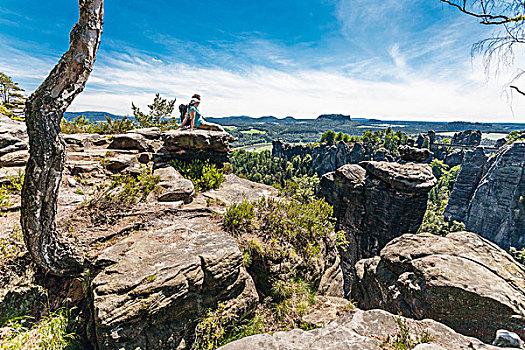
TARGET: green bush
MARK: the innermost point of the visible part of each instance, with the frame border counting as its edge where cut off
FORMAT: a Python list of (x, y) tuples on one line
[(81, 125), (283, 227), (238, 217), (210, 332), (204, 175)]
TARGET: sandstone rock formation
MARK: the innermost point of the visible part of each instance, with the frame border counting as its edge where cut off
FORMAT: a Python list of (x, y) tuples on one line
[(467, 138), (196, 144), (375, 202), (488, 195), (325, 157), (173, 186), (413, 154), (156, 282), (454, 158), (363, 330), (461, 280)]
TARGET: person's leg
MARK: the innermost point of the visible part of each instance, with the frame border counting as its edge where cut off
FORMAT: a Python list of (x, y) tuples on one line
[(210, 126)]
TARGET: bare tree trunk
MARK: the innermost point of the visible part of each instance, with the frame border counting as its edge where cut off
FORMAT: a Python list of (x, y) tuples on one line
[(44, 111)]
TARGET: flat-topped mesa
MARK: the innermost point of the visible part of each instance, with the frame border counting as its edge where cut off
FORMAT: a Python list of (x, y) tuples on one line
[(196, 144), (375, 202)]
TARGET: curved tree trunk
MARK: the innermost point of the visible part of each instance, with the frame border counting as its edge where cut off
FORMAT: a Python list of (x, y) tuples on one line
[(44, 111)]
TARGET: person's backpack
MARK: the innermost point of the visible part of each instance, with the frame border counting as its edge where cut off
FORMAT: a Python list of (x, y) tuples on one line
[(183, 109)]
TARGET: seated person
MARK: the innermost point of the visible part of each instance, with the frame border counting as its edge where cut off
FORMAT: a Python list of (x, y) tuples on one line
[(196, 119)]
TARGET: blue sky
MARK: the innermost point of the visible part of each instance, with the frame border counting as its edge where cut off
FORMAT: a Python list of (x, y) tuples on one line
[(369, 58)]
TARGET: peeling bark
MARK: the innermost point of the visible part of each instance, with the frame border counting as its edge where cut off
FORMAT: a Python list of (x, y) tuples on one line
[(44, 110)]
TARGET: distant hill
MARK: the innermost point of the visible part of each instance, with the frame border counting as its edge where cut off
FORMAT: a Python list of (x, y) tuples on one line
[(335, 117), (93, 116)]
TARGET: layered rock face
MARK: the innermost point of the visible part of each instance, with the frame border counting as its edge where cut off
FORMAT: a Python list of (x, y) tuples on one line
[(467, 138), (363, 330), (195, 144), (375, 202), (461, 280), (489, 195), (413, 154), (155, 283)]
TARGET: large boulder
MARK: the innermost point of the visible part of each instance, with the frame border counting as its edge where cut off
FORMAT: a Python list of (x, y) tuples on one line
[(413, 154), (156, 283), (235, 189), (173, 186), (187, 145), (361, 330), (488, 195), (461, 280), (375, 202)]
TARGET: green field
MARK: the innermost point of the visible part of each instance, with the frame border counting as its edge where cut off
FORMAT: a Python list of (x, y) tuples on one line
[(493, 136), (257, 148), (229, 127), (253, 131)]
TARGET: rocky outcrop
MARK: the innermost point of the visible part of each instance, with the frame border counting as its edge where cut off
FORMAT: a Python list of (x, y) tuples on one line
[(188, 145), (375, 202), (13, 136), (466, 183), (461, 280), (130, 141), (413, 154), (325, 157), (173, 186), (431, 135), (489, 195), (454, 158), (235, 189), (467, 138), (288, 151), (155, 283), (363, 330)]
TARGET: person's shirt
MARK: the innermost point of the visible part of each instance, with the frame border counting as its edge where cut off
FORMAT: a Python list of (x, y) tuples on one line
[(198, 116)]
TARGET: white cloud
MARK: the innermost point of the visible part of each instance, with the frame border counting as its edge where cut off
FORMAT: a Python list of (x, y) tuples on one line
[(303, 93)]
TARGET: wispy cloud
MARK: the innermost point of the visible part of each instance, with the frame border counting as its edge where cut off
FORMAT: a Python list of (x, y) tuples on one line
[(302, 93)]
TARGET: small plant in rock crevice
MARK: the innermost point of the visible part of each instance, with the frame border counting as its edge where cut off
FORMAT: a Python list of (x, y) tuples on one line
[(404, 339), (124, 191), (12, 244)]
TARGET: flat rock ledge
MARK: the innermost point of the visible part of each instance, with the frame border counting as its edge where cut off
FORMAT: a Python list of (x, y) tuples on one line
[(462, 280), (359, 330), (156, 283), (404, 177), (195, 144)]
